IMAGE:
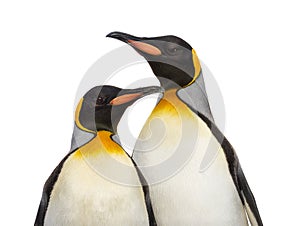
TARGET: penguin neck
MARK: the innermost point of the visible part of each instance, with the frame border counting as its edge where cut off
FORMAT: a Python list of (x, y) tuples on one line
[(104, 137), (168, 84), (170, 102), (109, 124), (102, 143)]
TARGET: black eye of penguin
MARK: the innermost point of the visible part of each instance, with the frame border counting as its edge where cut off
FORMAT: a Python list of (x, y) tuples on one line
[(100, 101), (172, 50)]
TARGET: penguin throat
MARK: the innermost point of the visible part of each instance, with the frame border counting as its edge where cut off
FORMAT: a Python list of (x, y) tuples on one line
[(106, 141), (168, 84), (101, 145)]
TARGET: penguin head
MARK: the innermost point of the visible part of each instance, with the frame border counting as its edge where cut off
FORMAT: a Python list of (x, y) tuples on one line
[(102, 107), (170, 57)]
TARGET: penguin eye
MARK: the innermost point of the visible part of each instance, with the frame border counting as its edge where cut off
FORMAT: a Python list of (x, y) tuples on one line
[(100, 101), (172, 50)]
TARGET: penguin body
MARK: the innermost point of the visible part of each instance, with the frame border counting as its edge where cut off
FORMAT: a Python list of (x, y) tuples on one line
[(80, 191), (86, 198), (176, 144), (196, 197)]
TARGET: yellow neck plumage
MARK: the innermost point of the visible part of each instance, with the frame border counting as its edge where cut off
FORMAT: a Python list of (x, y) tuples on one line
[(102, 143)]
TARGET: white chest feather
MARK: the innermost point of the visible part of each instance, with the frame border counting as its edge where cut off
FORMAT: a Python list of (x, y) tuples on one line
[(181, 194), (83, 197)]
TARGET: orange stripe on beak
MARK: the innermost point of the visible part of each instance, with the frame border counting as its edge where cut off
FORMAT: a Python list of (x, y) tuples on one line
[(145, 47), (125, 98)]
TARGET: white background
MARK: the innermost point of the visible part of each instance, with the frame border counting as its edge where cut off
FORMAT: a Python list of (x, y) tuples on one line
[(252, 49)]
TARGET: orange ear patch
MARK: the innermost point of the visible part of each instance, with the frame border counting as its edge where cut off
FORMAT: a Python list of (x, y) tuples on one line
[(145, 47), (125, 98)]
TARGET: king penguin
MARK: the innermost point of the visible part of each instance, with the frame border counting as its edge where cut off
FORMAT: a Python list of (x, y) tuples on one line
[(169, 153), (83, 189)]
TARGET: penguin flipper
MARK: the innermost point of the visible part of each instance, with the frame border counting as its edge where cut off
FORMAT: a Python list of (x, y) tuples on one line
[(237, 174), (151, 216), (48, 187), (39, 220), (144, 183), (249, 200)]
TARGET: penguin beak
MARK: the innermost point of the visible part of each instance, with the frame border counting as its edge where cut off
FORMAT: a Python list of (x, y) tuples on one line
[(131, 95), (136, 42), (123, 36)]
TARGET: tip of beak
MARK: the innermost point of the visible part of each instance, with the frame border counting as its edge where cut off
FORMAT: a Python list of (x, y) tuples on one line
[(121, 36), (117, 35), (111, 34)]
